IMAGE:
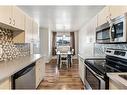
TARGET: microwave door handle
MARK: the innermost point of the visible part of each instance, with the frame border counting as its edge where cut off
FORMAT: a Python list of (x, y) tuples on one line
[(112, 34)]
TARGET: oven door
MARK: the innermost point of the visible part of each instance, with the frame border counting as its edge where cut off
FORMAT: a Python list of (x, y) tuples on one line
[(93, 80)]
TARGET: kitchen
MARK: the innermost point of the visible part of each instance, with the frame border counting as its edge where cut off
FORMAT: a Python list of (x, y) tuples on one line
[(29, 54)]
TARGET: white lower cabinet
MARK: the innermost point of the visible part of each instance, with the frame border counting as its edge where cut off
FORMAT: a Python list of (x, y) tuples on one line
[(81, 69), (40, 71), (113, 85), (5, 84)]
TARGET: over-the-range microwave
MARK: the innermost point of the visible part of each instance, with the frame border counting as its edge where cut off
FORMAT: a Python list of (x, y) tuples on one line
[(116, 31)]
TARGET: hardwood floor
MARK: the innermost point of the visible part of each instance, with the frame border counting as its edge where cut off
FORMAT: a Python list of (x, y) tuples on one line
[(64, 78)]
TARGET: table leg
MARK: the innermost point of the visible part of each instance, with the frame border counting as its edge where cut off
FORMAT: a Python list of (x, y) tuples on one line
[(58, 61)]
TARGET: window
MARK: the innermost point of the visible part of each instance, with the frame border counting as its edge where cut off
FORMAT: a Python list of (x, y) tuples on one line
[(63, 40)]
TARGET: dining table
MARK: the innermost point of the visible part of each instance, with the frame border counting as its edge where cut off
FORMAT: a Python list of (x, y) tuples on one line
[(69, 56)]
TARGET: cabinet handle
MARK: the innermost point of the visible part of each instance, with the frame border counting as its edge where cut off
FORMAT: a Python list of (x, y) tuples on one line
[(13, 22), (10, 20)]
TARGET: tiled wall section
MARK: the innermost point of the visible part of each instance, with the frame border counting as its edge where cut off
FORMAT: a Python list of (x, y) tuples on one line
[(8, 49), (11, 51), (99, 49), (24, 48)]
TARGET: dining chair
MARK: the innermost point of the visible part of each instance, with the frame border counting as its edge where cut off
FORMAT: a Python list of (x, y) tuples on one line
[(55, 51), (72, 55), (64, 60), (72, 51)]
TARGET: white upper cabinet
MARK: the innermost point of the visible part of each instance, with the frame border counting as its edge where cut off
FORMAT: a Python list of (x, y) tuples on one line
[(35, 31), (6, 15), (103, 15), (28, 29), (12, 16), (31, 29), (91, 30), (117, 10), (18, 18), (110, 12)]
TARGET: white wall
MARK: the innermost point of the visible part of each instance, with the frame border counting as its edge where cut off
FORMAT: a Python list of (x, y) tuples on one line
[(45, 43), (85, 48), (76, 43), (50, 44), (87, 38)]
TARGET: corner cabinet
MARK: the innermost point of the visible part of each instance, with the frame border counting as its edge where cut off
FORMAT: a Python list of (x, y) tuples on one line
[(40, 71), (81, 69)]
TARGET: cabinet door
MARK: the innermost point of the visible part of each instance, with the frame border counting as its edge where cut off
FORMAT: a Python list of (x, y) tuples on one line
[(40, 71), (117, 11), (102, 15), (93, 25), (5, 84), (81, 69), (37, 73), (18, 18), (28, 29), (35, 31), (6, 14), (91, 30)]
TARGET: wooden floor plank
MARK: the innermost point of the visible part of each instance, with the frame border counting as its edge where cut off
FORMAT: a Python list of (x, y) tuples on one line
[(63, 78)]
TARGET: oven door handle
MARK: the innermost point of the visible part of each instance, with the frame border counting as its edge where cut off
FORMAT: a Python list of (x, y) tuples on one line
[(97, 75)]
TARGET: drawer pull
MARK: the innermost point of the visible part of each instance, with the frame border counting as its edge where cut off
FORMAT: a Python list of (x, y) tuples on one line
[(10, 20)]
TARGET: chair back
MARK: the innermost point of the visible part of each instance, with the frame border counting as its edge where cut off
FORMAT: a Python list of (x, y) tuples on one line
[(63, 49), (73, 51)]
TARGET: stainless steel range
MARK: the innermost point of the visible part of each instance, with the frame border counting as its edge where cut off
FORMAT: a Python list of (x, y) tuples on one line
[(97, 68)]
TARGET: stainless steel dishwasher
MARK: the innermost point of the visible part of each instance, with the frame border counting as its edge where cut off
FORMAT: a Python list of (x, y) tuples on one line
[(25, 78)]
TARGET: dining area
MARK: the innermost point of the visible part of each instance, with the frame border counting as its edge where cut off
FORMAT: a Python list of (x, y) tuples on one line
[(64, 56), (63, 48)]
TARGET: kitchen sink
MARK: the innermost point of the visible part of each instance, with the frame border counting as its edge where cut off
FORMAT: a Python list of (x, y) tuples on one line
[(123, 76)]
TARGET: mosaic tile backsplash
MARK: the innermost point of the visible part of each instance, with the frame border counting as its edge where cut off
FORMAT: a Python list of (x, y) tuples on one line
[(99, 49), (10, 50)]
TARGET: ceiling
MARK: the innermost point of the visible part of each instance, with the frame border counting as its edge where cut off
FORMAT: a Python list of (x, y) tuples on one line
[(62, 18)]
